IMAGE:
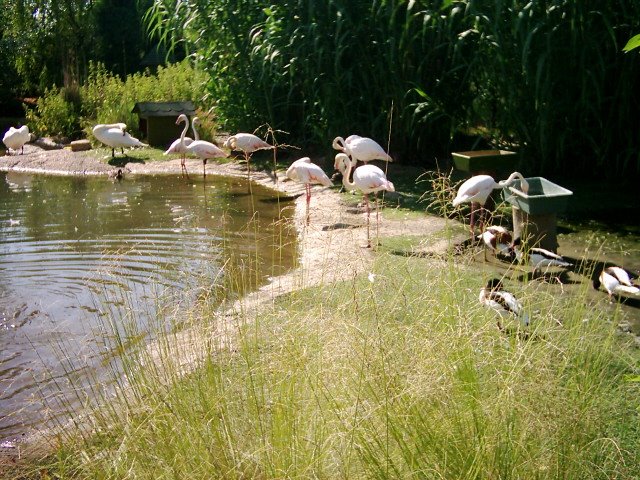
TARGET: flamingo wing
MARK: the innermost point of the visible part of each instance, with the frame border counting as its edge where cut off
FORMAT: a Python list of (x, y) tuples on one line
[(176, 146), (205, 150), (476, 189), (369, 179), (366, 149)]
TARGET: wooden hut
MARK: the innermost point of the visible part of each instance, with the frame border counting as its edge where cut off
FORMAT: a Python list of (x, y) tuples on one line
[(158, 120)]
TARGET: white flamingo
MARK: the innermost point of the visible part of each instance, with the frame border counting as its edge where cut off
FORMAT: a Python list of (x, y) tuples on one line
[(367, 179), (361, 148), (308, 173), (15, 138), (615, 280), (247, 143), (202, 149), (504, 303), (178, 144), (115, 135), (476, 190)]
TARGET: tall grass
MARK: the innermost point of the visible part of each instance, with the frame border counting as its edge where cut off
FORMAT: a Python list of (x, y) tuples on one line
[(400, 377), (547, 78)]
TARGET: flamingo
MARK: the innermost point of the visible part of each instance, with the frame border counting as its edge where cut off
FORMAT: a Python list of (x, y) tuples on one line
[(504, 303), (177, 145), (303, 171), (367, 179), (497, 239), (615, 280), (115, 135), (15, 138), (478, 188), (361, 148), (247, 143), (201, 148)]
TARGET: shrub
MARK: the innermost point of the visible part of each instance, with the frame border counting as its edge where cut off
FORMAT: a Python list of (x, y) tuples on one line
[(55, 115)]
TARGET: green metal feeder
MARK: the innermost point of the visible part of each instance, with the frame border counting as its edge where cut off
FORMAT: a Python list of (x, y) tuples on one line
[(534, 213), (489, 162)]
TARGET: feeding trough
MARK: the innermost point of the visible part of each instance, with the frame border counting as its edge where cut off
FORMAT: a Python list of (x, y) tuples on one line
[(534, 213), (490, 162)]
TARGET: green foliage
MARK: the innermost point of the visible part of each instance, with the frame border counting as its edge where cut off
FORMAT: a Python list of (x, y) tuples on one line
[(108, 99), (634, 42), (55, 115), (547, 79)]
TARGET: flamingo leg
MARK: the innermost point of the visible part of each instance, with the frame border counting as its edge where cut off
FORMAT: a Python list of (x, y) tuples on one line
[(375, 195), (472, 221), (204, 168), (366, 202), (308, 188)]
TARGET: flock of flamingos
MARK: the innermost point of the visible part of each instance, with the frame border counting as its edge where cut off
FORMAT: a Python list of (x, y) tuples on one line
[(369, 179)]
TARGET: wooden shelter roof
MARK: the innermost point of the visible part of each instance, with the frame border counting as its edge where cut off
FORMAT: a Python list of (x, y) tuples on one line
[(164, 109)]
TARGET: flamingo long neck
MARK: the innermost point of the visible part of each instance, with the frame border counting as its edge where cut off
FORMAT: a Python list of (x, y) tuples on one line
[(339, 144), (346, 175), (184, 132), (524, 185), (196, 137)]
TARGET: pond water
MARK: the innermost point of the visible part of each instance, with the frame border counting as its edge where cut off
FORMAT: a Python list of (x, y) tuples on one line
[(74, 250)]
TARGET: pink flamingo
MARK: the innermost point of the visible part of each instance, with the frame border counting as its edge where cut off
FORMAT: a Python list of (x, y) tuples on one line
[(361, 148), (247, 143), (367, 179), (303, 171), (202, 149), (179, 145), (477, 189)]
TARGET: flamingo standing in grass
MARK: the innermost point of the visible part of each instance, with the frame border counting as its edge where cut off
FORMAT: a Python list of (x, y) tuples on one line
[(303, 171), (367, 179), (15, 138), (477, 189), (179, 145), (115, 135), (202, 149), (361, 148), (247, 143)]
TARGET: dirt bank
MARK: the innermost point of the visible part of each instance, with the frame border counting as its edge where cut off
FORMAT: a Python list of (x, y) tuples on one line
[(330, 247)]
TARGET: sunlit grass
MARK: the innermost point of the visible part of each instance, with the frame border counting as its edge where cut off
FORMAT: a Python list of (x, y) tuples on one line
[(398, 374)]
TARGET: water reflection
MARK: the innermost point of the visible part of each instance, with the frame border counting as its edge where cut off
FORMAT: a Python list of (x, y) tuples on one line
[(73, 250)]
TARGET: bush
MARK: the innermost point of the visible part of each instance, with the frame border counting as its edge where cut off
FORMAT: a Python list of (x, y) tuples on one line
[(108, 99), (55, 115)]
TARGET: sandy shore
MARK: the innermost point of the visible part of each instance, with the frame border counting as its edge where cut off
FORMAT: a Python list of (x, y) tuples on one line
[(330, 247)]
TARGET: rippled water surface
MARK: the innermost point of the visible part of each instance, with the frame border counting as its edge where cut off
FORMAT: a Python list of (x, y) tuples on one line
[(73, 250)]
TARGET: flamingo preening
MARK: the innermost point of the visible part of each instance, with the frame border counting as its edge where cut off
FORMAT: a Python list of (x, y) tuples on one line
[(15, 138), (477, 189), (361, 148), (367, 179), (247, 143), (615, 280), (115, 135), (303, 171), (179, 145)]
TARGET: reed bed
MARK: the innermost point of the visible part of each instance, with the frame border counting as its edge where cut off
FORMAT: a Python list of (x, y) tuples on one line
[(549, 79)]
